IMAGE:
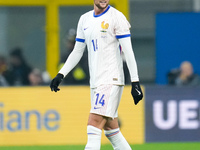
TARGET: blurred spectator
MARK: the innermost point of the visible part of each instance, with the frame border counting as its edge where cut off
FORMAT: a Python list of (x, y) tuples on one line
[(36, 78), (80, 74), (19, 70), (184, 75), (46, 78), (3, 68)]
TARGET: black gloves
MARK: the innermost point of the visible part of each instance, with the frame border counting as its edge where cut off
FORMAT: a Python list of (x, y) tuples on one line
[(55, 82), (136, 92)]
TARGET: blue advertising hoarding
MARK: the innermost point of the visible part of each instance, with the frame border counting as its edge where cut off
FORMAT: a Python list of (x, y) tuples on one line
[(177, 40), (172, 114)]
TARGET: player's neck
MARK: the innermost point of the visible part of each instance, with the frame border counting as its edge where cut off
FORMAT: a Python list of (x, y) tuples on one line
[(98, 11)]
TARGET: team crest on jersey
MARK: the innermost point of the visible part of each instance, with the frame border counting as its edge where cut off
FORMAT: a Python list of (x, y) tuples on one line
[(104, 26)]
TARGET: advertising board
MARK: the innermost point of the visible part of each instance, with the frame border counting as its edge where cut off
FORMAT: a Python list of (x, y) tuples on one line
[(37, 116), (172, 114)]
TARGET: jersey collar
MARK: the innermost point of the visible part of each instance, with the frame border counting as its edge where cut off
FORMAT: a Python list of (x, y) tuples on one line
[(102, 12)]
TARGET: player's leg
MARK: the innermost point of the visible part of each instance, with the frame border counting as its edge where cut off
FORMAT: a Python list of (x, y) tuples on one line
[(97, 120), (104, 102), (95, 124), (94, 129), (114, 135), (111, 128)]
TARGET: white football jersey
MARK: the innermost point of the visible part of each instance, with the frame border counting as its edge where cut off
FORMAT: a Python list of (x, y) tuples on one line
[(101, 34)]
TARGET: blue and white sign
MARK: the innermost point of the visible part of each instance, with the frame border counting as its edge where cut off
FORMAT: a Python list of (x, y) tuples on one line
[(172, 114)]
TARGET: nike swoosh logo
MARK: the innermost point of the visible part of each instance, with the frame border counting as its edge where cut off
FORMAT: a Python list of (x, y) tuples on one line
[(85, 28), (97, 107), (139, 93)]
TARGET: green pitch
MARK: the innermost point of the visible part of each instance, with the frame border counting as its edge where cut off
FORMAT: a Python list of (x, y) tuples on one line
[(150, 146)]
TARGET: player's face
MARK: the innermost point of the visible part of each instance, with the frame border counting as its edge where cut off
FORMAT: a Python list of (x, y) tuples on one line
[(101, 4)]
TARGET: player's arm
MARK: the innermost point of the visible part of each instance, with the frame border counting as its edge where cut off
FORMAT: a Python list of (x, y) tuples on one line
[(70, 63), (132, 67), (73, 58)]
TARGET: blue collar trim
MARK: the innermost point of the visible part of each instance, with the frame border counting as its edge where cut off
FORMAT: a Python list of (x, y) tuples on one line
[(102, 12)]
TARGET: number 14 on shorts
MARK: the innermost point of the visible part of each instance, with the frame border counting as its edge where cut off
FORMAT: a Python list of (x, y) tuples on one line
[(99, 100)]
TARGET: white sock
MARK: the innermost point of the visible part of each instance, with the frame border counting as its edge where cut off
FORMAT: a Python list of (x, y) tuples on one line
[(117, 139), (94, 138)]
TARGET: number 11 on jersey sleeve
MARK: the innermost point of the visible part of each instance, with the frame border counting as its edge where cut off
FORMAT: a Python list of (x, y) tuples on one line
[(95, 45)]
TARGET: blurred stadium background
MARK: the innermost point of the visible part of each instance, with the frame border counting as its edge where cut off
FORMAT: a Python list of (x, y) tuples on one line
[(164, 34)]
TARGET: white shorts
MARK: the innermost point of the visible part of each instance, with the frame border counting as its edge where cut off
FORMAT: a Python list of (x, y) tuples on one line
[(105, 100)]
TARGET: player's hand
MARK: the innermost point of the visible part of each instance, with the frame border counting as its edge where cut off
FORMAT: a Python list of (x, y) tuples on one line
[(136, 92), (56, 81)]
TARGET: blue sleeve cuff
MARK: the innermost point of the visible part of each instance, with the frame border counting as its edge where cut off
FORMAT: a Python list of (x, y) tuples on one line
[(123, 36), (80, 40)]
